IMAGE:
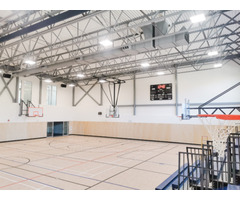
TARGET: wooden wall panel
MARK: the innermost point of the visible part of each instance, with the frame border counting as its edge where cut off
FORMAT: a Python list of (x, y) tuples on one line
[(184, 133), (20, 131)]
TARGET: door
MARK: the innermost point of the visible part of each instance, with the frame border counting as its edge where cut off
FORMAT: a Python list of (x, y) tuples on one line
[(65, 128), (49, 129), (58, 129)]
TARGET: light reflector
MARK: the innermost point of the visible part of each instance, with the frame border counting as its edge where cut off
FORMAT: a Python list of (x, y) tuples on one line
[(30, 62), (217, 65), (145, 64), (197, 18), (106, 43), (213, 53), (102, 81), (80, 75), (160, 73), (48, 80)]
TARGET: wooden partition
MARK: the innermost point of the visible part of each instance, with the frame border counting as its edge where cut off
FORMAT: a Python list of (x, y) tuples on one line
[(22, 130), (183, 133)]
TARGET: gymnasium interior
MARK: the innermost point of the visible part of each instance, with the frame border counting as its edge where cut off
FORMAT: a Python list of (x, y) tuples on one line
[(119, 100)]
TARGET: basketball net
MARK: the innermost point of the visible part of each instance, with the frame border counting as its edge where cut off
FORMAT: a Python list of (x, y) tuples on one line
[(219, 127)]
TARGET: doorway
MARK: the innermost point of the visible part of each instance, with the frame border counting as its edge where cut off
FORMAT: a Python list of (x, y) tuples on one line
[(55, 129)]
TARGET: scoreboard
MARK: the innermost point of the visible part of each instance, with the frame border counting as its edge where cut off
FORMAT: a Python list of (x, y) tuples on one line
[(161, 92)]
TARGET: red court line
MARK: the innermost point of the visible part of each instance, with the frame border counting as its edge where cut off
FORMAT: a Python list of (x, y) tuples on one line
[(59, 170)]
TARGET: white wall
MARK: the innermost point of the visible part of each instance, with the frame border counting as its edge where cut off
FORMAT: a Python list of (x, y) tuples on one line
[(196, 86)]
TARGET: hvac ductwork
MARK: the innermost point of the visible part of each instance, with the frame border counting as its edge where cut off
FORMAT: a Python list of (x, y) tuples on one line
[(155, 36), (160, 29), (157, 30)]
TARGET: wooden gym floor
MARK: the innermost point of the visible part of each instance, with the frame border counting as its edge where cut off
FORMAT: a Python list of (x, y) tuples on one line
[(86, 163)]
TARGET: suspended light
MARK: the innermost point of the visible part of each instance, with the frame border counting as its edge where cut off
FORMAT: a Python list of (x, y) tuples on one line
[(71, 85), (198, 18), (102, 81), (160, 73), (145, 64), (80, 75), (213, 53), (217, 65), (106, 43), (30, 62), (48, 80)]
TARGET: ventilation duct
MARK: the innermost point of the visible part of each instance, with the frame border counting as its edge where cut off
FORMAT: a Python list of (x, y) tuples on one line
[(182, 38), (81, 60), (178, 39), (10, 68), (157, 30), (129, 50), (150, 31), (161, 28), (45, 68)]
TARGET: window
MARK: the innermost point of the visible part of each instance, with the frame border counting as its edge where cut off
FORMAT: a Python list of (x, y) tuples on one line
[(20, 91), (51, 95), (25, 91)]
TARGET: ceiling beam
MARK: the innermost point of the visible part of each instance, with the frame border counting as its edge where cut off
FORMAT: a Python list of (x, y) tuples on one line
[(42, 24)]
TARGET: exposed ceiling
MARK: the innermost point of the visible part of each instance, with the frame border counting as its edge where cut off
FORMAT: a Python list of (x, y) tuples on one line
[(67, 43)]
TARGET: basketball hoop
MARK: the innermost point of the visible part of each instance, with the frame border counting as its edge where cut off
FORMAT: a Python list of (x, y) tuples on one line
[(35, 113), (219, 127), (112, 112)]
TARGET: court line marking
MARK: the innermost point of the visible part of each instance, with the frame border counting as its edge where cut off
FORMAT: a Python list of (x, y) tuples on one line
[(126, 169), (89, 160), (25, 179), (62, 169)]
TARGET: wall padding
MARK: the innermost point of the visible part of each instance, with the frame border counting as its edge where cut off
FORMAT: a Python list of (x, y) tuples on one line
[(183, 133), (23, 130)]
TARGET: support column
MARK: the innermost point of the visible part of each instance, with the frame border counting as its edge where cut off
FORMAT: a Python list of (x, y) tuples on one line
[(40, 92), (176, 90), (101, 95), (73, 96), (134, 94), (16, 90)]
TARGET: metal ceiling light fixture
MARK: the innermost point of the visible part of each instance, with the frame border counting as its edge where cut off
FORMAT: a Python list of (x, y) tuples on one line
[(30, 62), (80, 75), (213, 53), (102, 81), (217, 65), (145, 64), (106, 42), (71, 85), (198, 18), (29, 59), (48, 80), (160, 73)]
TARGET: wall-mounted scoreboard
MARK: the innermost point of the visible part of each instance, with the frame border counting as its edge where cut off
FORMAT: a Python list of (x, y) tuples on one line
[(161, 92)]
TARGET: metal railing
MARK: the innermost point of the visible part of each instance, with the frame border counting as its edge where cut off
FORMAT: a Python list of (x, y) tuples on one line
[(206, 170)]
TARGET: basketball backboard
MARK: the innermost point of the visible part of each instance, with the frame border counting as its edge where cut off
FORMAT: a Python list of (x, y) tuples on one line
[(35, 112)]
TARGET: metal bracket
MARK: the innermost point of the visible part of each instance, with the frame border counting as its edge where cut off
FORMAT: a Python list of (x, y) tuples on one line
[(7, 88), (86, 93)]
